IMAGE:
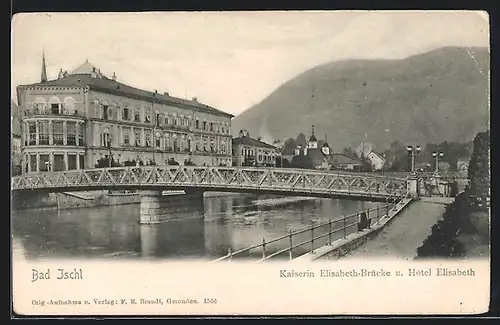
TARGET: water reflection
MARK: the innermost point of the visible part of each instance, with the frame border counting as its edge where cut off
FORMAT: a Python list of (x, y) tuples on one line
[(232, 221)]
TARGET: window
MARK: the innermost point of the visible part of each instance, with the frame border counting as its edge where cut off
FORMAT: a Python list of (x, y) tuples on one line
[(81, 136), (105, 112), (137, 135), (126, 117), (69, 106), (82, 161), (44, 163), (137, 115), (43, 132), (211, 126), (71, 134), (32, 133), (147, 137), (32, 162), (71, 162), (197, 124), (204, 125), (158, 120), (54, 109), (188, 147), (58, 162), (106, 139), (148, 114), (57, 133), (157, 140), (126, 136)]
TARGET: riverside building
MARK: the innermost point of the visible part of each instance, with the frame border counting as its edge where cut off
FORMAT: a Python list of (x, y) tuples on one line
[(83, 118)]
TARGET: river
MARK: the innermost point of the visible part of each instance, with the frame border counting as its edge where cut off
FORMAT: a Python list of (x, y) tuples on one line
[(230, 221)]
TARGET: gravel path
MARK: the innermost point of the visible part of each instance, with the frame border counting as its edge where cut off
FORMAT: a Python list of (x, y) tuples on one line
[(406, 233)]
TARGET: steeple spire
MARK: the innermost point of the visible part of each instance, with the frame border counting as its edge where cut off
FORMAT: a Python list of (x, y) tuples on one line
[(313, 130), (44, 69)]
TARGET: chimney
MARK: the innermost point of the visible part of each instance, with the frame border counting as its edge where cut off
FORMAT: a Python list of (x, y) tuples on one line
[(93, 69), (60, 75), (165, 93), (113, 77), (195, 99), (65, 74)]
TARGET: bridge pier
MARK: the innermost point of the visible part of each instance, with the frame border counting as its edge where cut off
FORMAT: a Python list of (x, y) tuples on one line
[(413, 187), (151, 207), (156, 207)]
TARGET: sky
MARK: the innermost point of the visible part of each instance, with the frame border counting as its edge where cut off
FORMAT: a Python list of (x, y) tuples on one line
[(228, 60)]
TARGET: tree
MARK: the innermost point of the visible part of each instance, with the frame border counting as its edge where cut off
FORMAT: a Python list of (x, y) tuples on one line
[(302, 161), (290, 145), (286, 162), (349, 152), (479, 167), (301, 140)]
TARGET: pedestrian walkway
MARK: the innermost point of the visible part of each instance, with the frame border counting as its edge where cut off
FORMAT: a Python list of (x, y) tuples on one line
[(406, 233)]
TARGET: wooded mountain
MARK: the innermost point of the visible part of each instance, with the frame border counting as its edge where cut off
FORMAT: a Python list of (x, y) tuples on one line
[(441, 95)]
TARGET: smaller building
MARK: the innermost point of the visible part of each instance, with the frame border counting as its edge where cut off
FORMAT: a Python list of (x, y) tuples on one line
[(377, 160), (252, 152), (342, 162)]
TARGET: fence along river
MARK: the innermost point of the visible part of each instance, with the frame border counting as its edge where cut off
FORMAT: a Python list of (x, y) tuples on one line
[(227, 223)]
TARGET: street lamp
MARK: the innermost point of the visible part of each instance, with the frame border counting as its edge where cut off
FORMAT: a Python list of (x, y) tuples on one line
[(413, 151), (436, 155), (109, 148), (49, 165)]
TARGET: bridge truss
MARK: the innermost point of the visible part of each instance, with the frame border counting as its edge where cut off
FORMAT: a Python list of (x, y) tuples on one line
[(247, 179)]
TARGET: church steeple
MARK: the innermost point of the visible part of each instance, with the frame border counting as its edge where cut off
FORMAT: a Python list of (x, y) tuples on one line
[(313, 142), (44, 69)]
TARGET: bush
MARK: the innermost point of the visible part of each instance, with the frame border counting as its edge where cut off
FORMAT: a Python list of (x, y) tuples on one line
[(442, 240)]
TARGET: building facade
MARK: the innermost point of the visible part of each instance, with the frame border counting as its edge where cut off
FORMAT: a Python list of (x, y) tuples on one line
[(83, 118), (377, 160), (252, 152), (15, 127)]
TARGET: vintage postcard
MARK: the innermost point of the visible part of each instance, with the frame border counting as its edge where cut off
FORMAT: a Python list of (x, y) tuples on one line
[(250, 163)]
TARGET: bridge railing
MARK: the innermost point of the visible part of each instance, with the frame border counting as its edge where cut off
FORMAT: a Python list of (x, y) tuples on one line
[(316, 232)]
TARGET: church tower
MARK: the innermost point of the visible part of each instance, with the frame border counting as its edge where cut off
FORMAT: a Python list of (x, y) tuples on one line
[(326, 148), (313, 142), (44, 69)]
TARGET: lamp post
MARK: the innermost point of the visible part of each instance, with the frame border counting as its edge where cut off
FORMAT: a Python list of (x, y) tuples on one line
[(436, 155), (49, 165), (109, 148), (413, 151)]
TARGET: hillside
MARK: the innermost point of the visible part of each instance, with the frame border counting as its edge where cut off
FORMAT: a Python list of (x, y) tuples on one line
[(441, 95)]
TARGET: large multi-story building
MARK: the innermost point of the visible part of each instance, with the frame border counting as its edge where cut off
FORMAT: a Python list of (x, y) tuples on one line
[(252, 152), (84, 118)]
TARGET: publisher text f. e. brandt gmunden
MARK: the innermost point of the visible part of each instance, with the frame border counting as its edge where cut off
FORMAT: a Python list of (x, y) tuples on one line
[(324, 273)]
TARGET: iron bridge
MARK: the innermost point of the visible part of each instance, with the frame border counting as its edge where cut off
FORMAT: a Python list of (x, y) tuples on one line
[(283, 181)]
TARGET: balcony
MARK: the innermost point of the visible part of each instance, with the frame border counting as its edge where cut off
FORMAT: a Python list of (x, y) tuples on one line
[(53, 112)]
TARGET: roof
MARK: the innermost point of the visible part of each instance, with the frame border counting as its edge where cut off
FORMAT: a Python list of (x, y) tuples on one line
[(377, 154), (81, 77), (252, 142), (15, 118), (340, 159), (313, 138), (85, 68)]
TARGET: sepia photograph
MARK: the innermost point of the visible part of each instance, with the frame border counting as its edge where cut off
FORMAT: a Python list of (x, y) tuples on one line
[(216, 163)]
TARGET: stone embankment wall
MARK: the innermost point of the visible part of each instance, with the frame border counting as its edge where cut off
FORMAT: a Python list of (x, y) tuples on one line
[(28, 200)]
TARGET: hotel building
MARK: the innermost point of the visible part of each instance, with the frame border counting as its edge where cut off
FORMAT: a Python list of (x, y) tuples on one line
[(84, 117)]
